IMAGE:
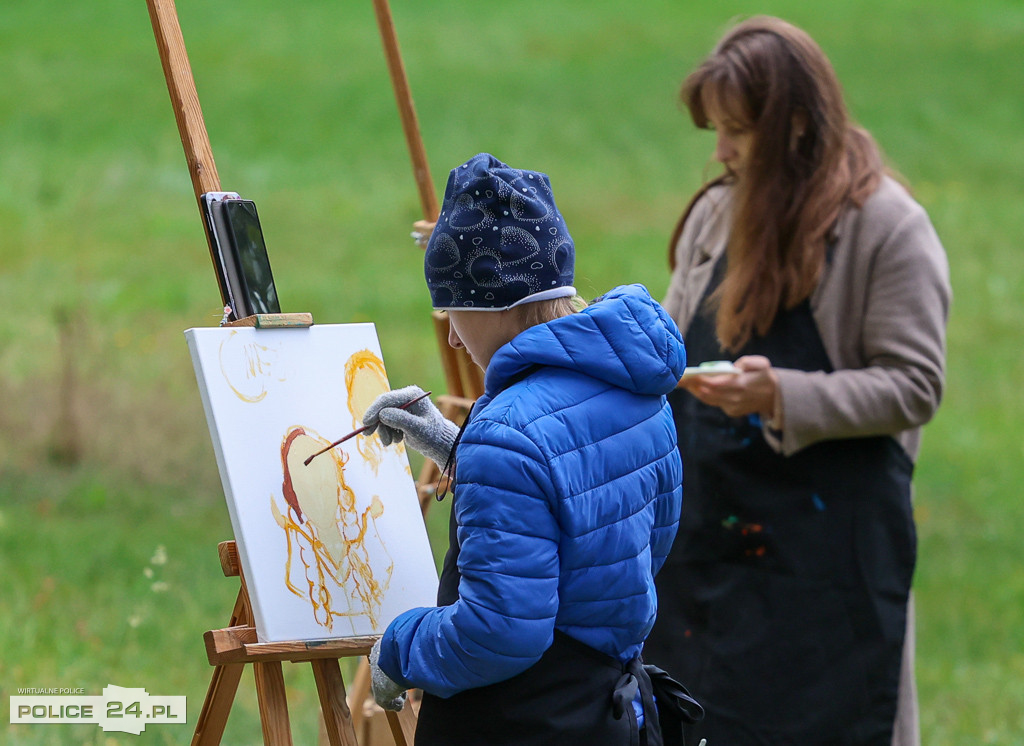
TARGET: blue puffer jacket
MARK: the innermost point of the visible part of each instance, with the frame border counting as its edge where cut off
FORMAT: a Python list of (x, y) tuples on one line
[(568, 498)]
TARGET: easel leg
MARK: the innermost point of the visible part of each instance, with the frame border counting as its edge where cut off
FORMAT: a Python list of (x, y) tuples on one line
[(403, 725), (331, 688), (358, 692), (217, 705), (272, 698), (223, 685)]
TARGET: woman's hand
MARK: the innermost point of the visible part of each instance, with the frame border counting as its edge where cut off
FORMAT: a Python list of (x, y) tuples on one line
[(752, 390)]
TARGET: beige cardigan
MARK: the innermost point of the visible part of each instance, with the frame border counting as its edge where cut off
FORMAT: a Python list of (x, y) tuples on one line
[(880, 307)]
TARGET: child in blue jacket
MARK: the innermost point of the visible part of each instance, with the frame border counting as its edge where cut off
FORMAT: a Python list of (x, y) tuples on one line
[(568, 484)]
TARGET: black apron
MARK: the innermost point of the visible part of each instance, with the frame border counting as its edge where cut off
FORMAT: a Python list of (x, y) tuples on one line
[(574, 694), (782, 604)]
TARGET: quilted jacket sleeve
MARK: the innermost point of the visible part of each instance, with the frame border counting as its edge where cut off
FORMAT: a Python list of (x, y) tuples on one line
[(508, 596), (669, 500)]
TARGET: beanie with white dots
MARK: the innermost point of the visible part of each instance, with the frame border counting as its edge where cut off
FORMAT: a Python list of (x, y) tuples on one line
[(499, 241)]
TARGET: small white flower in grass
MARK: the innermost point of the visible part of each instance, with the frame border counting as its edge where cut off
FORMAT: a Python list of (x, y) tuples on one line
[(159, 556)]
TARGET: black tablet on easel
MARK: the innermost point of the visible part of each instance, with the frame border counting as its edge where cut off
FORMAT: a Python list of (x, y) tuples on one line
[(248, 255), (247, 283)]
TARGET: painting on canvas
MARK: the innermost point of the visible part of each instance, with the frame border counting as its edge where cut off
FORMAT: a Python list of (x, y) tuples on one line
[(335, 548)]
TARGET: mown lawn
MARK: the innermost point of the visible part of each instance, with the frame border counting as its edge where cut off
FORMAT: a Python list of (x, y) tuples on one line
[(110, 504)]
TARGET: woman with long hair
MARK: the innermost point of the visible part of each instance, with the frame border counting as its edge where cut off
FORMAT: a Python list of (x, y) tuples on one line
[(784, 603)]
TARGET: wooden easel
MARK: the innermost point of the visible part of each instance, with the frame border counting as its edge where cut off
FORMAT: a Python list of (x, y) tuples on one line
[(230, 648)]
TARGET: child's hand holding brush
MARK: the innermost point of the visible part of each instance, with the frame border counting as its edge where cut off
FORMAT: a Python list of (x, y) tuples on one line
[(419, 422)]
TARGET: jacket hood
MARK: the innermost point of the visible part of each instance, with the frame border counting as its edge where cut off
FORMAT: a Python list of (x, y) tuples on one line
[(624, 338)]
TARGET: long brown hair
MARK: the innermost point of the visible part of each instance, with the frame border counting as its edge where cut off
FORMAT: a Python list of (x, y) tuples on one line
[(808, 160)]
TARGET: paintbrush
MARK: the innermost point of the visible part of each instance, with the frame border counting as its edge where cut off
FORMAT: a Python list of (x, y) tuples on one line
[(363, 429)]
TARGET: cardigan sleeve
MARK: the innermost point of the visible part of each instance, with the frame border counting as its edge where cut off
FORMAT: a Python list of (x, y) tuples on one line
[(504, 618), (901, 343)]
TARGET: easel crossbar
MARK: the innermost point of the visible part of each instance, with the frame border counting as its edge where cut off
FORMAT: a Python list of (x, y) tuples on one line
[(239, 645)]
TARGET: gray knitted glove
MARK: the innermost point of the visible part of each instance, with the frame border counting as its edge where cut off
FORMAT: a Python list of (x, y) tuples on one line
[(386, 693), (422, 424)]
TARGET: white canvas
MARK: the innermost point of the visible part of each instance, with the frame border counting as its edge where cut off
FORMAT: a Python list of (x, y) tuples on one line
[(334, 549)]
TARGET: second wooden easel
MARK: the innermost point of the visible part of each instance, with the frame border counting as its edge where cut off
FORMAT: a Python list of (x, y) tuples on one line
[(464, 380)]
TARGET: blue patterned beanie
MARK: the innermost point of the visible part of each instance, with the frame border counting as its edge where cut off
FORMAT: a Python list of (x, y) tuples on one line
[(499, 241)]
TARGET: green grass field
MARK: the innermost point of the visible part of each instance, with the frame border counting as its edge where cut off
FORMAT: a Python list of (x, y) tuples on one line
[(110, 502)]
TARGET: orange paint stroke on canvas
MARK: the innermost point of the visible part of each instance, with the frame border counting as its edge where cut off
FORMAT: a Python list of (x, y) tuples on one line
[(365, 380), (248, 367), (328, 533)]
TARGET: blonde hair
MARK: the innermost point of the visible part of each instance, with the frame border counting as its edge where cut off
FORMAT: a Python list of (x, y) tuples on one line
[(543, 311)]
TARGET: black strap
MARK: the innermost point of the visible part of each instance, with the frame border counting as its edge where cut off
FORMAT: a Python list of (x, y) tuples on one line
[(450, 463), (632, 679), (660, 693), (675, 705)]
